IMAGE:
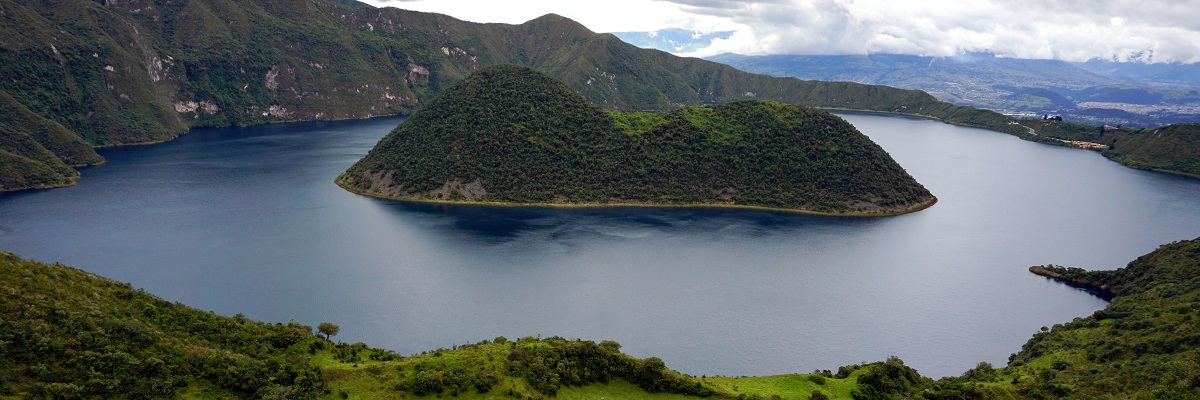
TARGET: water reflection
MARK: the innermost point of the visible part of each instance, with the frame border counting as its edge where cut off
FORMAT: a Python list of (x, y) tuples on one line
[(498, 225)]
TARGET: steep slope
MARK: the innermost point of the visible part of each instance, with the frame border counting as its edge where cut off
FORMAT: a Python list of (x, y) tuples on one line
[(1143, 345), (82, 65), (144, 71), (513, 135), (36, 152), (1172, 148), (135, 72), (65, 333), (70, 334), (25, 164)]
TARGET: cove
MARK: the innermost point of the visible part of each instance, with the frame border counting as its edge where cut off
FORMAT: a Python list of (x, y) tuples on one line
[(247, 220)]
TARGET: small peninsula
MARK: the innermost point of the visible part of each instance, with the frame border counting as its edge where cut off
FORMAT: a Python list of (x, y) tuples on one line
[(511, 135)]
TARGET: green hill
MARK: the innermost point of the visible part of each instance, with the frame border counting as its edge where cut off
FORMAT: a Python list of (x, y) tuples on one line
[(510, 134), (141, 72), (1146, 344), (66, 334), (36, 152), (1171, 148)]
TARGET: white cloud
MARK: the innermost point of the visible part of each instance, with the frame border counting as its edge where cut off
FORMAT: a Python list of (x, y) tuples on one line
[(599, 16), (1073, 30)]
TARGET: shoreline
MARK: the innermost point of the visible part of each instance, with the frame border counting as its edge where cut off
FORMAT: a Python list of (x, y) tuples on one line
[(893, 113), (828, 109), (191, 128), (917, 207), (1022, 137), (146, 143), (923, 116), (74, 181), (1079, 283), (1151, 169)]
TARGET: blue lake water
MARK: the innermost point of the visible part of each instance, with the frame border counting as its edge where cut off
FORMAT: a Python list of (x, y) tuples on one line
[(247, 220)]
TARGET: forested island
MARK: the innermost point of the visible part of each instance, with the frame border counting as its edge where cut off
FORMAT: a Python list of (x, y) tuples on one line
[(511, 135), (65, 333)]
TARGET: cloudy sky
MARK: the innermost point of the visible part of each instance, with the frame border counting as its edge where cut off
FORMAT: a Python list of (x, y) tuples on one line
[(1073, 30)]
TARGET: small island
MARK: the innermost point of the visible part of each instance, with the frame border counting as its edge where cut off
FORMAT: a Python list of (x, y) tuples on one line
[(509, 135)]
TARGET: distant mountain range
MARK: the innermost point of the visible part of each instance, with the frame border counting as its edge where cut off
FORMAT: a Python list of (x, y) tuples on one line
[(1147, 74), (1094, 92)]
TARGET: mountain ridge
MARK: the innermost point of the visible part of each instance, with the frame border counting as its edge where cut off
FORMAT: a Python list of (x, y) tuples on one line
[(139, 71)]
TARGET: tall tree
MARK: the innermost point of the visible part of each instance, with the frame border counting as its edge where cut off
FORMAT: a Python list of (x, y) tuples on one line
[(328, 329)]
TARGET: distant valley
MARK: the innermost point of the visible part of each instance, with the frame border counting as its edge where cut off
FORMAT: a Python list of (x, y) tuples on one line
[(1135, 93)]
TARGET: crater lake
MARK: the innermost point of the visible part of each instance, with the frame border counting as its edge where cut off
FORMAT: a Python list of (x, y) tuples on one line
[(247, 220)]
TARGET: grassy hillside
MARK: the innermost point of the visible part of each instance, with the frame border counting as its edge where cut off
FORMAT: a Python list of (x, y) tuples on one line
[(1144, 345), (36, 152), (513, 135), (1171, 148), (65, 333), (145, 71)]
